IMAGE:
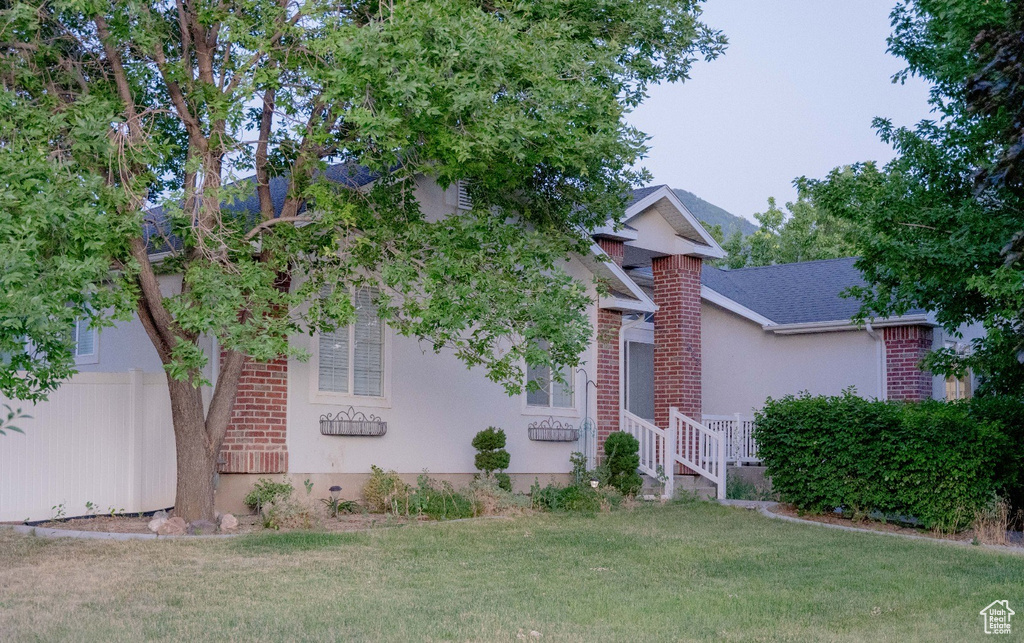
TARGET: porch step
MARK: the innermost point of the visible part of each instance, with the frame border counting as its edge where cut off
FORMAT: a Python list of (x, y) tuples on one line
[(688, 484)]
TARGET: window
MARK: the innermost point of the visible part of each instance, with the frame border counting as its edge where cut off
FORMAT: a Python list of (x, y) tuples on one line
[(551, 393), (958, 388), (351, 359), (464, 201), (86, 346)]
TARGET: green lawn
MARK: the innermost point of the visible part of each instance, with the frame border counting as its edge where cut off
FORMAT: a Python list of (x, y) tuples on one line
[(683, 572)]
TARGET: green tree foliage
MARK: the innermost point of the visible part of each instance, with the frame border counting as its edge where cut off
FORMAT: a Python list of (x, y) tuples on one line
[(803, 232), (943, 224), (108, 109)]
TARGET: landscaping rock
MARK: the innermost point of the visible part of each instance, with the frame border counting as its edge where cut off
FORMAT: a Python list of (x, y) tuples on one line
[(172, 527), (156, 523), (228, 523), (160, 514), (197, 527)]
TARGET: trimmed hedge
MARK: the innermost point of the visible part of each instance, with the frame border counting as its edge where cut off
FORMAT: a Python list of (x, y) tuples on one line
[(938, 462)]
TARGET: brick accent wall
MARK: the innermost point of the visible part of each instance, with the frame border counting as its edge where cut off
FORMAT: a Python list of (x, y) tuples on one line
[(905, 347), (614, 249), (609, 322), (677, 359), (255, 441)]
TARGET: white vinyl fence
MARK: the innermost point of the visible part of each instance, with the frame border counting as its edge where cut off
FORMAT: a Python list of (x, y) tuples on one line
[(103, 438), (739, 431)]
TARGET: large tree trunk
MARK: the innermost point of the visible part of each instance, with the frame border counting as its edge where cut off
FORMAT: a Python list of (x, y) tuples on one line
[(196, 455)]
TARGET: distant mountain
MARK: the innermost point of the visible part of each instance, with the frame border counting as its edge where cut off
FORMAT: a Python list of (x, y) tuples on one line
[(711, 213)]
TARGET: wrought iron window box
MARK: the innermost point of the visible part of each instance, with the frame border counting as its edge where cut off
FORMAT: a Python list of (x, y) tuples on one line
[(352, 422), (551, 430)]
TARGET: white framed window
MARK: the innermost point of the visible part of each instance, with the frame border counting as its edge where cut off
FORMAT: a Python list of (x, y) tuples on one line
[(550, 394), (87, 348), (958, 388), (350, 363)]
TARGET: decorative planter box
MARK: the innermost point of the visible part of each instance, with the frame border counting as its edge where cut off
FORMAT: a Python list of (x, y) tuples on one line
[(352, 422), (551, 430)]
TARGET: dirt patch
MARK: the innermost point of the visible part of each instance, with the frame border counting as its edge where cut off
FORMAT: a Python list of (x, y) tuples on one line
[(247, 524), (1013, 538)]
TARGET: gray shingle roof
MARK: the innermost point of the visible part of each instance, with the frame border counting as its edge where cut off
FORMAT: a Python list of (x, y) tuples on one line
[(792, 293), (347, 174), (640, 193)]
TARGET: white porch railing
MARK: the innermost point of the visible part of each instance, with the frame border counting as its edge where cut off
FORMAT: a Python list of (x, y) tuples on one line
[(739, 431), (699, 448), (655, 446)]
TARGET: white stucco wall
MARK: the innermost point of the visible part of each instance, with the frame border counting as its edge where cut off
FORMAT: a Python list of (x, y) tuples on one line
[(743, 365), (435, 408)]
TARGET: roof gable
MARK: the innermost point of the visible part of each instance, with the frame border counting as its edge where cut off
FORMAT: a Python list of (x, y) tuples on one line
[(645, 205)]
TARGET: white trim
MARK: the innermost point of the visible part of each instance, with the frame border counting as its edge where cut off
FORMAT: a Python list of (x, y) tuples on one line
[(620, 233), (846, 324), (711, 248), (733, 306), (614, 272)]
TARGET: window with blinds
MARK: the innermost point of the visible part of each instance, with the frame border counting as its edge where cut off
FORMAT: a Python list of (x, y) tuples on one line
[(464, 201), (550, 392), (85, 339), (351, 359)]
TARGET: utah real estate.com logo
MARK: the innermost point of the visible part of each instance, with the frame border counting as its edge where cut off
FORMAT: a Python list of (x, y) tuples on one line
[(997, 617)]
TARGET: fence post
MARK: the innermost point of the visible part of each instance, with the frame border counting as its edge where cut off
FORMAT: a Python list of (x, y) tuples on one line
[(669, 458), (722, 469)]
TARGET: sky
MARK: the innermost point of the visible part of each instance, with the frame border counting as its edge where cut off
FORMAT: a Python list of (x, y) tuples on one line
[(794, 95)]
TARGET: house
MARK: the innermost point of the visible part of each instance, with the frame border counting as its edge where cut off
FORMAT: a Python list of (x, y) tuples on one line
[(775, 330), (105, 436), (673, 338)]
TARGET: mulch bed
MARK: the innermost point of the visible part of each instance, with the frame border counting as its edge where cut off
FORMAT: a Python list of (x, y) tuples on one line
[(1013, 538)]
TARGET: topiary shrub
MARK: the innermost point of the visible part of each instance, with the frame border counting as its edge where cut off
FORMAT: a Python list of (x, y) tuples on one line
[(934, 464), (622, 459), (491, 455)]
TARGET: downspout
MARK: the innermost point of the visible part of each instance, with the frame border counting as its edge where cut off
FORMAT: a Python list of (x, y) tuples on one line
[(883, 375)]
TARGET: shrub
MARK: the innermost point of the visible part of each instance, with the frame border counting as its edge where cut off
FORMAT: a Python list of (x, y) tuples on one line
[(266, 492), (575, 498), (439, 502), (491, 455), (622, 458), (933, 463), (385, 492), (491, 500)]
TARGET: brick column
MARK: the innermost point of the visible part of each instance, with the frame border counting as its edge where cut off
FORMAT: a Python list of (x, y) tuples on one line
[(614, 249), (905, 347), (677, 361), (609, 323), (255, 441)]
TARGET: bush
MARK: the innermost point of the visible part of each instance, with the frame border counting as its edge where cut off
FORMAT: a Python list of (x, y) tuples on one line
[(266, 492), (491, 455), (933, 463), (574, 498), (622, 458), (385, 492), (439, 502), (491, 500)]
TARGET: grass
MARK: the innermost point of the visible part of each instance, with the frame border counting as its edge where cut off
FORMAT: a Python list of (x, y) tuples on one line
[(683, 572)]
